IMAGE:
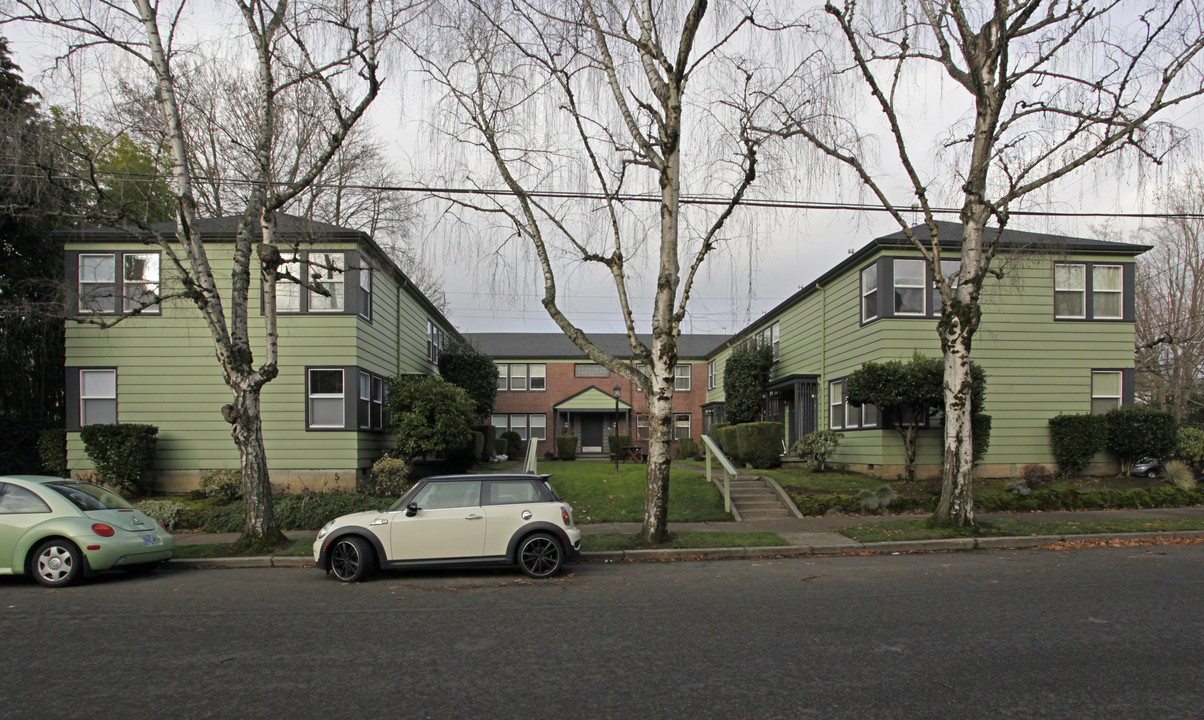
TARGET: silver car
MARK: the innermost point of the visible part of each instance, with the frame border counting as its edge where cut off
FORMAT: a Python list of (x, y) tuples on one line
[(456, 520)]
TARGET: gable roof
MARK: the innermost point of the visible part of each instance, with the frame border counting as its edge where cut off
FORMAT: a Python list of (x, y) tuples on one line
[(557, 346), (591, 398), (950, 237), (290, 228)]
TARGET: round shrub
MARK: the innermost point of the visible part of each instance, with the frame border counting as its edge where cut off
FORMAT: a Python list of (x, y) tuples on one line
[(389, 478), (225, 484), (1190, 448), (1075, 439)]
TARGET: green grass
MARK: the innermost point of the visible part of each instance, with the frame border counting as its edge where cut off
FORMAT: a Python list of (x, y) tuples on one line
[(689, 539), (892, 530), (598, 495), (298, 548)]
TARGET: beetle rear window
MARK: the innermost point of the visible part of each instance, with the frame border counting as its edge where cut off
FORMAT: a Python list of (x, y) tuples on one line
[(88, 497)]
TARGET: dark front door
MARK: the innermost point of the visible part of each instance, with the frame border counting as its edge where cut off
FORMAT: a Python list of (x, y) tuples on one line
[(591, 433)]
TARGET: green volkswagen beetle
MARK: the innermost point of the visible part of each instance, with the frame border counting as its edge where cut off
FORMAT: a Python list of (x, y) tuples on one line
[(60, 530)]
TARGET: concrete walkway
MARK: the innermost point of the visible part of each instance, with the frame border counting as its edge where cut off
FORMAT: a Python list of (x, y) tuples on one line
[(804, 536)]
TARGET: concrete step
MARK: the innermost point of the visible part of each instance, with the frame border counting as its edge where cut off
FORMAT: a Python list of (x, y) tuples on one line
[(764, 514)]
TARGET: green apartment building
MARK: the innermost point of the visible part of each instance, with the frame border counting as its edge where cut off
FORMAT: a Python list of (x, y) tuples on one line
[(1056, 337), (324, 419)]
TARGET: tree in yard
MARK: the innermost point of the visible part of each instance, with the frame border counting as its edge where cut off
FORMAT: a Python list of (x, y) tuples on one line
[(1046, 88), (906, 394), (744, 376), (608, 99), (1170, 303), (466, 367), (429, 414), (31, 206), (334, 47)]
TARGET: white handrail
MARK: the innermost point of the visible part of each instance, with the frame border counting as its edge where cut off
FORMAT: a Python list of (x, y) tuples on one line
[(529, 465), (729, 470)]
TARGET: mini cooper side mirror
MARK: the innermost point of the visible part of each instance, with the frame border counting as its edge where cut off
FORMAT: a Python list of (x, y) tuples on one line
[(412, 509)]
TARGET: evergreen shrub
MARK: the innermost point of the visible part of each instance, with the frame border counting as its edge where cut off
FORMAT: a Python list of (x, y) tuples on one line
[(1135, 432), (760, 444), (566, 447), (514, 444), (687, 448), (52, 449), (1075, 439), (121, 453)]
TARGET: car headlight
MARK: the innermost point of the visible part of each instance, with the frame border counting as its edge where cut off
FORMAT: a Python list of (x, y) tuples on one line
[(325, 529)]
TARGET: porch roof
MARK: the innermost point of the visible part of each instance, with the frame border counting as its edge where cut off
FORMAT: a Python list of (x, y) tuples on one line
[(591, 399)]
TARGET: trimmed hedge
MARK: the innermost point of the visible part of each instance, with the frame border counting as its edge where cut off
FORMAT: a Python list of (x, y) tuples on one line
[(1036, 501), (618, 441), (514, 444), (729, 443), (566, 447), (687, 448), (1075, 439), (120, 453), (760, 443), (1135, 432), (296, 512)]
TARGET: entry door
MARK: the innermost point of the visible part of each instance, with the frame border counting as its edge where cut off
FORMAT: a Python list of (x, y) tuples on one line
[(591, 433)]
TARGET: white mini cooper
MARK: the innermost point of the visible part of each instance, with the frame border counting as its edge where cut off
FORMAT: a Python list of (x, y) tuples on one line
[(456, 520)]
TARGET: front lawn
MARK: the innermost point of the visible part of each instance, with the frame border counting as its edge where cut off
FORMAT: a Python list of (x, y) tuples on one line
[(908, 529), (598, 495)]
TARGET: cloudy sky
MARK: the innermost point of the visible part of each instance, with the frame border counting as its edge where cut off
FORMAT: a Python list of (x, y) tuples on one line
[(493, 284)]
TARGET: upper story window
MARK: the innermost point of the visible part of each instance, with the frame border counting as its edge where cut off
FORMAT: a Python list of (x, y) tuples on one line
[(434, 341), (681, 377), (1093, 291), (365, 291), (100, 283), (288, 291), (334, 282), (522, 376), (909, 284), (590, 370), (869, 293), (326, 275), (770, 336), (950, 269), (711, 375)]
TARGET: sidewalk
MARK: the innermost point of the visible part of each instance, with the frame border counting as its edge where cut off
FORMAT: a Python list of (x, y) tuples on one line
[(805, 536)]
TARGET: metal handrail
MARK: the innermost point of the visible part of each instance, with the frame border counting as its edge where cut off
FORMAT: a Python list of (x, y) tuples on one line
[(729, 470), (529, 464)]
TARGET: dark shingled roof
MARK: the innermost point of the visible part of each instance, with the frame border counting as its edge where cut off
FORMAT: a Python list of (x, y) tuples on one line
[(556, 346)]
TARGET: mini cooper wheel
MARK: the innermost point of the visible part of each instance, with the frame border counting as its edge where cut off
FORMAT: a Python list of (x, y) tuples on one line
[(540, 555), (350, 559), (57, 563)]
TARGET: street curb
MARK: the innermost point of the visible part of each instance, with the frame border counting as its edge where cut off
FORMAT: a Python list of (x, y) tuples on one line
[(750, 553)]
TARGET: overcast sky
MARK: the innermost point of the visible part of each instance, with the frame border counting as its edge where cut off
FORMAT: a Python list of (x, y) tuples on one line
[(770, 253)]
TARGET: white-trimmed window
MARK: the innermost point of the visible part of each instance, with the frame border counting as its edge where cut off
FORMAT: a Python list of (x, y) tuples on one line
[(910, 281), (365, 290), (326, 273), (288, 291), (711, 375), (1107, 292), (950, 269), (590, 370), (140, 282), (518, 377), (364, 406), (681, 426), (503, 376), (641, 425), (97, 397), (537, 377), (1106, 391), (97, 283), (681, 377), (325, 395), (843, 415), (770, 336), (533, 426), (539, 426), (869, 293), (1070, 290)]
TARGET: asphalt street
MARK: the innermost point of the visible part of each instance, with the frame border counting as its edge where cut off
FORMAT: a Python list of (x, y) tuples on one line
[(1100, 633)]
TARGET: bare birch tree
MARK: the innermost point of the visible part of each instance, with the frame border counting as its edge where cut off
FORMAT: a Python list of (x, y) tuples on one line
[(1170, 302), (334, 46), (1045, 87), (611, 98)]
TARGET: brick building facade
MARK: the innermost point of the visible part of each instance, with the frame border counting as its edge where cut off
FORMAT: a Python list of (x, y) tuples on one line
[(547, 387)]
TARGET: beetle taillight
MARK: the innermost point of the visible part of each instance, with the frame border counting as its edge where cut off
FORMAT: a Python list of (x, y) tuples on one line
[(103, 530)]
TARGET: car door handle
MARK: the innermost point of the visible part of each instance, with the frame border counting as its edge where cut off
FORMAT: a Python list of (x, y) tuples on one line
[(475, 517)]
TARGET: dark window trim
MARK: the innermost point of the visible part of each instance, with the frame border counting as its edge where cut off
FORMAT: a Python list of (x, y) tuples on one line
[(1128, 273), (351, 397), (880, 425), (71, 387), (351, 287), (71, 271)]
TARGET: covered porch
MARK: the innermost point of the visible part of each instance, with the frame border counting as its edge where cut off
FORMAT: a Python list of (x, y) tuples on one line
[(592, 416)]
